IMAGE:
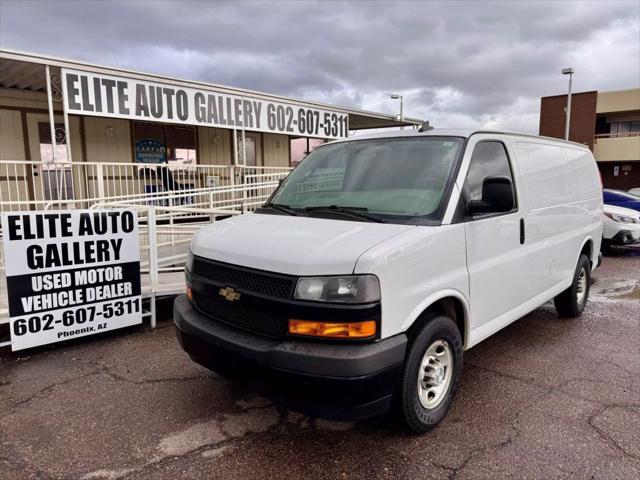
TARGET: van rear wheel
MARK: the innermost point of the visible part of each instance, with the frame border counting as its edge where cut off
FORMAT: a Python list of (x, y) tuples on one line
[(572, 301), (431, 374)]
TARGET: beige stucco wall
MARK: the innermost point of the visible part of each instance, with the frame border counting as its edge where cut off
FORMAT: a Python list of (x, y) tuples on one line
[(276, 150), (108, 140), (13, 179), (617, 149), (214, 146), (618, 101), (11, 139)]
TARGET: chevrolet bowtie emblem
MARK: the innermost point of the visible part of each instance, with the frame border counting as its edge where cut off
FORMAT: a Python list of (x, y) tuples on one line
[(229, 294)]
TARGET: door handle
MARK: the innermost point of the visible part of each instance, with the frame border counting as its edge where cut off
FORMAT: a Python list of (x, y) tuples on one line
[(521, 231)]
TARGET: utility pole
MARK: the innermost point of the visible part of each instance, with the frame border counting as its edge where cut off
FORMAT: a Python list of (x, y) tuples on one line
[(568, 71)]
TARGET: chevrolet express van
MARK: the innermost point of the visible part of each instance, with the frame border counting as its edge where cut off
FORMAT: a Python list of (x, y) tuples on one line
[(381, 258)]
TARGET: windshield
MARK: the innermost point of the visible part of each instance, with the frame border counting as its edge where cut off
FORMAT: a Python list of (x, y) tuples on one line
[(390, 177)]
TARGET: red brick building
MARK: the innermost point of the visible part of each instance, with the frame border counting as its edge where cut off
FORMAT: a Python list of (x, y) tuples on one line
[(609, 123)]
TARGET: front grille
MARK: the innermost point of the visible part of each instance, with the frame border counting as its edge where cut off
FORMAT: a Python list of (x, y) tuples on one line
[(240, 316), (244, 280)]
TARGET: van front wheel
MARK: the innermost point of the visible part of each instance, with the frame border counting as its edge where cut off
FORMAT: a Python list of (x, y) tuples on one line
[(572, 301), (431, 374)]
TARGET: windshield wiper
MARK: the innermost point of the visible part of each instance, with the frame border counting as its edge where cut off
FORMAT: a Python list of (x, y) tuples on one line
[(281, 208), (356, 212)]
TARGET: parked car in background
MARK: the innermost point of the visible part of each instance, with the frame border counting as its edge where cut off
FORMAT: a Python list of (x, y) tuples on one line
[(621, 226), (635, 191), (618, 198)]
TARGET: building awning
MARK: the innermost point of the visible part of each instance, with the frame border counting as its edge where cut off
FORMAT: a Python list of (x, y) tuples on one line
[(23, 70)]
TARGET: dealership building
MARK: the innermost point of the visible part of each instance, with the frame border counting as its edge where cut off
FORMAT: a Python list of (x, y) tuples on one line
[(71, 131), (609, 123)]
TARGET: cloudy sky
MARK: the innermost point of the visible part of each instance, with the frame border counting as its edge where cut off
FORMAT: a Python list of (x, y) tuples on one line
[(467, 64)]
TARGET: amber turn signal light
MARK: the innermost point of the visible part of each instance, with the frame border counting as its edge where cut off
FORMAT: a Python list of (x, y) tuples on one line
[(189, 294), (312, 328)]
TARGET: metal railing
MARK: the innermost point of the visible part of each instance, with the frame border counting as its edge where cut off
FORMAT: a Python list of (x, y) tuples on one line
[(29, 185), (617, 135), (167, 218)]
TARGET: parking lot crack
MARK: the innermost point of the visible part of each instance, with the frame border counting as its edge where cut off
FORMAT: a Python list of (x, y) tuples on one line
[(561, 387), (606, 436), (121, 378), (507, 375), (493, 448), (42, 393), (450, 471), (604, 359), (456, 470)]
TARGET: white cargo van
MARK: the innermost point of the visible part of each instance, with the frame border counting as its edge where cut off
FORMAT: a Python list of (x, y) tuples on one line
[(381, 258)]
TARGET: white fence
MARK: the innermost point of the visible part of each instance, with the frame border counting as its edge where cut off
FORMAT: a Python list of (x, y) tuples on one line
[(168, 217), (26, 185)]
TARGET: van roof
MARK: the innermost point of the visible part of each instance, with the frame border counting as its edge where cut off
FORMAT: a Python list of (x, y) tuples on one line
[(453, 132)]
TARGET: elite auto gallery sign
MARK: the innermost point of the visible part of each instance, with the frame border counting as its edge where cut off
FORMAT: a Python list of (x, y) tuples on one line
[(119, 97), (70, 274)]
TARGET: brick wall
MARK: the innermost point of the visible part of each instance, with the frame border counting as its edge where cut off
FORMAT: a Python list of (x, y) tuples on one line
[(628, 175), (583, 117)]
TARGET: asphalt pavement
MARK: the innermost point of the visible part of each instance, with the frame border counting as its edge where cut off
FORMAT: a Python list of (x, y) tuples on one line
[(544, 398)]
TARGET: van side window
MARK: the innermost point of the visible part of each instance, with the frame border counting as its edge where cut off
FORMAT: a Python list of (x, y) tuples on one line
[(489, 159)]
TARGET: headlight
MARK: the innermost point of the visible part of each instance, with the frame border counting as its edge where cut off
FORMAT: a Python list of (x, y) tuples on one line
[(620, 218), (188, 264), (344, 289)]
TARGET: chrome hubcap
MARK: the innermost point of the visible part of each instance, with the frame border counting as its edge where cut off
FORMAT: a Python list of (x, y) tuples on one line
[(435, 374), (581, 289)]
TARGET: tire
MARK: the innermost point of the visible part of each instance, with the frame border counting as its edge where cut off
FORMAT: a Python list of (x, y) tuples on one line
[(572, 301), (440, 334)]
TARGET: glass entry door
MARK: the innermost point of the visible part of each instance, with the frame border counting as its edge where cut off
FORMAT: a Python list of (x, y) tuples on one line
[(247, 152), (57, 177)]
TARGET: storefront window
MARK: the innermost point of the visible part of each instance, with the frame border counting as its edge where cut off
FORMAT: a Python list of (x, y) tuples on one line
[(150, 144), (186, 156), (170, 144), (181, 145), (169, 155)]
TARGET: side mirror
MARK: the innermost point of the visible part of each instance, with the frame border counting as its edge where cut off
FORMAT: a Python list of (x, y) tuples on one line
[(497, 197)]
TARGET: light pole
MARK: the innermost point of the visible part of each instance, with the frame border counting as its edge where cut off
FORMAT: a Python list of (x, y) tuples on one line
[(397, 96), (568, 71)]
